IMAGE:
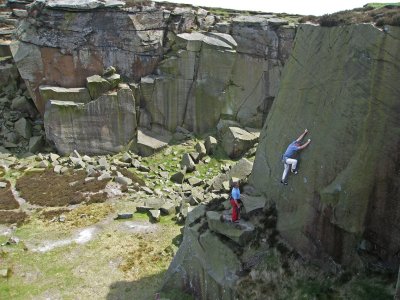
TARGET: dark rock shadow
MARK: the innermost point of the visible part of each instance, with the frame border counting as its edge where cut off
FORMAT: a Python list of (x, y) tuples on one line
[(143, 289), (147, 288)]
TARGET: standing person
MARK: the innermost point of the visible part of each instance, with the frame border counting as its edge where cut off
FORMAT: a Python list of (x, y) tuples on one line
[(235, 198), (288, 156)]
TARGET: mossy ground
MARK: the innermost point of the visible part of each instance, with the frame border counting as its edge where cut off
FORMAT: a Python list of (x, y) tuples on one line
[(7, 200)]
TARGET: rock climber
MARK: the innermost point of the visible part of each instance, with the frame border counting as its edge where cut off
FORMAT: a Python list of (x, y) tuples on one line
[(288, 157), (235, 201)]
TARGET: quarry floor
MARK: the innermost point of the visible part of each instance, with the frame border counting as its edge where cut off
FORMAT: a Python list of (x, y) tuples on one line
[(81, 251), (108, 259)]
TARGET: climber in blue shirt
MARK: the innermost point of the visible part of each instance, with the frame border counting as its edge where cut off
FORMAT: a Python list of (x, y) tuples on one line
[(288, 156)]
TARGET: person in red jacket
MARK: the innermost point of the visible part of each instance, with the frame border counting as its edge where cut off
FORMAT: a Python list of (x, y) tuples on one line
[(235, 198)]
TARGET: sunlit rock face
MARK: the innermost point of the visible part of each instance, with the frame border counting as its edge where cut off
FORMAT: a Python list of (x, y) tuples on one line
[(61, 43), (342, 84)]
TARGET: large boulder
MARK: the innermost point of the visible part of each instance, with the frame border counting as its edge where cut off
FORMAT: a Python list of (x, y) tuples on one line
[(106, 125), (236, 141), (348, 184), (150, 142)]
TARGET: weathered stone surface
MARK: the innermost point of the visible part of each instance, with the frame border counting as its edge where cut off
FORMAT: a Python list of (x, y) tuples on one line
[(194, 181), (83, 4), (211, 144), (192, 93), (124, 216), (252, 203), (168, 208), (348, 184), (8, 74), (53, 47), (97, 86), (149, 142), (203, 258), (35, 143), (198, 212), (239, 232), (187, 163), (179, 176), (155, 215), (255, 37), (22, 104), (201, 150), (5, 48), (23, 128), (236, 141), (79, 95), (114, 80), (20, 13), (241, 170), (106, 125), (123, 180)]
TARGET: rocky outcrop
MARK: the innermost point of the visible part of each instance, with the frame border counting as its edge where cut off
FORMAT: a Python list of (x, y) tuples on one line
[(211, 75), (105, 125), (342, 84), (61, 43)]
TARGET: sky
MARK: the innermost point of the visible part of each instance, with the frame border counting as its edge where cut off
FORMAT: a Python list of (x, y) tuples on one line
[(302, 7)]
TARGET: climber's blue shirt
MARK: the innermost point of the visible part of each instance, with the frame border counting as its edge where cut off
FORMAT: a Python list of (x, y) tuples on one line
[(235, 193), (291, 150)]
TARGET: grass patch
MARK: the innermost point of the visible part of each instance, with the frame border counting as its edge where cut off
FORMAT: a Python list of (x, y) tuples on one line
[(313, 289), (12, 217), (46, 188), (367, 289), (53, 213), (116, 264), (7, 200)]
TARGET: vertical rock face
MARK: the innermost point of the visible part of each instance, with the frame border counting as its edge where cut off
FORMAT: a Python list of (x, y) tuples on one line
[(63, 47), (342, 84), (210, 76), (106, 125)]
